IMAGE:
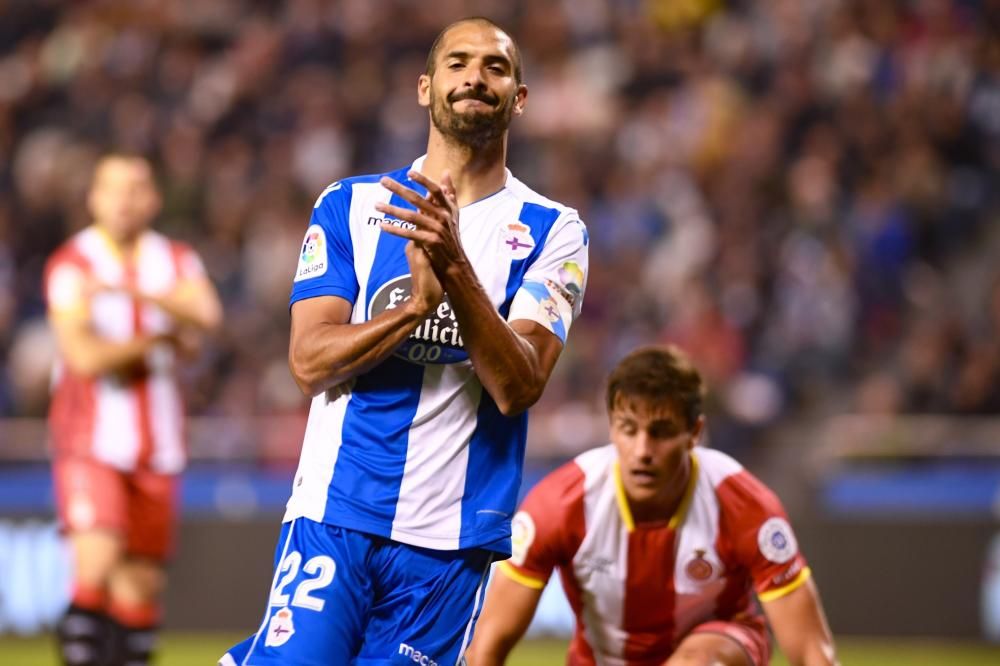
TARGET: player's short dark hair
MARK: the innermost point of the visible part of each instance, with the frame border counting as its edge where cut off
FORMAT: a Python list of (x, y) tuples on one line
[(658, 374), (515, 50), (126, 155)]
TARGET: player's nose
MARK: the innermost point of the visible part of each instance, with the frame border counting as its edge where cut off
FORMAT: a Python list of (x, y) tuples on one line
[(643, 446), (474, 78)]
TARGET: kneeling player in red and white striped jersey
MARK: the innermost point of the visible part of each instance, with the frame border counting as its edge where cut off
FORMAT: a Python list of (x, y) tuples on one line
[(661, 546)]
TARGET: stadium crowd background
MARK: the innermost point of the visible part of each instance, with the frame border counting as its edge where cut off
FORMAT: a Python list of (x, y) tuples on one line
[(802, 193)]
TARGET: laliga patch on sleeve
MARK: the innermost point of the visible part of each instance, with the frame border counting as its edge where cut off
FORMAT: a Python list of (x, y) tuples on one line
[(776, 540), (522, 535), (313, 257)]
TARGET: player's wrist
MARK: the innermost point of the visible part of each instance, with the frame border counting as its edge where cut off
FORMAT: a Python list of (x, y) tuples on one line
[(418, 307), (457, 271)]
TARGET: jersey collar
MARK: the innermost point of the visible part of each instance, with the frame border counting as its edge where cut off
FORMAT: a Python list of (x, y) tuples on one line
[(675, 520)]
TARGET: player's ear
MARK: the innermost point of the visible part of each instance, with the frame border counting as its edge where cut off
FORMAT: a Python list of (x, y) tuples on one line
[(520, 99), (696, 431), (156, 204), (424, 90)]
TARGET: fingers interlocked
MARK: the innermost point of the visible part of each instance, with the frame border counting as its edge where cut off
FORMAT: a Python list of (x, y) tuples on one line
[(434, 218)]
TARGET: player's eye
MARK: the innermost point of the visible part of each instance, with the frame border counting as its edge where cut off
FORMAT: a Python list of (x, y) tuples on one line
[(664, 431), (455, 65), (497, 69)]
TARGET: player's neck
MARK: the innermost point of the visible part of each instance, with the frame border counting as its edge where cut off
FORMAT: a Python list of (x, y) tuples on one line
[(664, 506), (123, 244), (476, 172)]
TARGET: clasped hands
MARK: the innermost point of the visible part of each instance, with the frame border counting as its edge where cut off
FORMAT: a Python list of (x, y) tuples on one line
[(435, 245)]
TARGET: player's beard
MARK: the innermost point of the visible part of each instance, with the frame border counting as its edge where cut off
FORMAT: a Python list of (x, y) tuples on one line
[(475, 129)]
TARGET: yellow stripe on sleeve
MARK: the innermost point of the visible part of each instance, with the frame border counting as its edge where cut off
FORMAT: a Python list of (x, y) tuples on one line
[(521, 578), (76, 312), (779, 592)]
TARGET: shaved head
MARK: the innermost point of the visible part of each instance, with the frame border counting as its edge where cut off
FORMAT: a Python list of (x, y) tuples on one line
[(515, 52)]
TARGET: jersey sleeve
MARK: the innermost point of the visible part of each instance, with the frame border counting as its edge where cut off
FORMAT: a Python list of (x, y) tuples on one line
[(762, 538), (326, 257), (65, 288), (189, 264), (551, 293), (542, 531)]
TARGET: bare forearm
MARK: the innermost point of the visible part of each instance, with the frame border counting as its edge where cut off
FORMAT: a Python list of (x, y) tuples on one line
[(493, 655), (329, 353), (92, 356), (800, 627), (197, 307), (506, 364), (816, 653)]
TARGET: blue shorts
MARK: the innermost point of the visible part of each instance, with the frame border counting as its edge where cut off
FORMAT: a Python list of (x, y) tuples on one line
[(346, 597)]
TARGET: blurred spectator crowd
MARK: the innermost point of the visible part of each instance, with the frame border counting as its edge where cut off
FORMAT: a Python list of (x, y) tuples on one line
[(802, 193)]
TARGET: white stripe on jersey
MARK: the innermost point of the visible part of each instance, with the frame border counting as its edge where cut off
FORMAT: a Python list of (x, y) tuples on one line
[(111, 311), (601, 561), (320, 449), (437, 461), (363, 200), (701, 525), (116, 424), (156, 273), (699, 538), (166, 415)]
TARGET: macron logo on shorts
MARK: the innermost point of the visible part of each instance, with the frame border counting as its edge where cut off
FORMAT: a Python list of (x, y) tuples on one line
[(416, 655)]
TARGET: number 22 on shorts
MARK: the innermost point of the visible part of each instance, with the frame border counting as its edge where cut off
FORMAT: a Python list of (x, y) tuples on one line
[(320, 570)]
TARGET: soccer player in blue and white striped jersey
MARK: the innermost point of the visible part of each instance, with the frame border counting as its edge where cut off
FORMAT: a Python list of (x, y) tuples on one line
[(428, 307)]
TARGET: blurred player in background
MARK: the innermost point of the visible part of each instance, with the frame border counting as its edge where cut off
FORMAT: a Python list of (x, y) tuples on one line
[(661, 546), (125, 303), (428, 310)]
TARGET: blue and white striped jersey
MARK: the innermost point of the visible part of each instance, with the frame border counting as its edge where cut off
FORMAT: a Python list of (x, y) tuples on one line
[(415, 450)]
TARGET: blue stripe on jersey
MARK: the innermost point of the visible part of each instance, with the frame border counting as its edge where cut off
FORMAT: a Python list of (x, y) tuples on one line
[(540, 219), (390, 253), (331, 213), (498, 442), (376, 433), (493, 476), (376, 428)]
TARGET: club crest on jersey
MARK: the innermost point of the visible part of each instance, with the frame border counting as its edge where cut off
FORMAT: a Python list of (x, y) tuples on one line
[(517, 240), (698, 568), (551, 310), (777, 541), (280, 628), (522, 535), (437, 338), (312, 258)]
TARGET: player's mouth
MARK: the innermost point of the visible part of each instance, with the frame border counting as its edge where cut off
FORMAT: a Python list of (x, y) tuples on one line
[(643, 477), (475, 100), (475, 104)]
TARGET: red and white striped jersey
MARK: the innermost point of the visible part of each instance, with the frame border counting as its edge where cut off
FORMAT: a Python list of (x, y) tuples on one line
[(125, 420), (637, 590)]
